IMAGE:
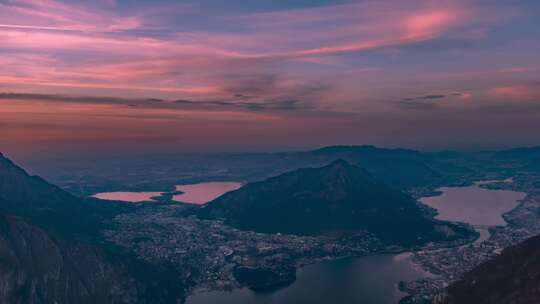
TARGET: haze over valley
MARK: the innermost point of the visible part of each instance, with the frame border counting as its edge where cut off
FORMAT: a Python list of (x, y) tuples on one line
[(269, 152)]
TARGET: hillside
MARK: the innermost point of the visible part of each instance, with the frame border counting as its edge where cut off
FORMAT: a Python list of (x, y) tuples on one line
[(336, 197), (512, 277), (400, 168), (50, 251), (48, 205)]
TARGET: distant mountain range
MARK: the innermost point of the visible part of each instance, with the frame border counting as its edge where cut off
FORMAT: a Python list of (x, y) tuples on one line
[(399, 168), (522, 159), (337, 198)]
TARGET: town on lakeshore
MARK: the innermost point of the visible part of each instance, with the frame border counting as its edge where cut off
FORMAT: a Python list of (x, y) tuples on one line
[(259, 232), (269, 152)]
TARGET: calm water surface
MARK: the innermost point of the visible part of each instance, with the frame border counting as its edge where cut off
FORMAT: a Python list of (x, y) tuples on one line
[(134, 197), (204, 192), (371, 280), (194, 194), (474, 205)]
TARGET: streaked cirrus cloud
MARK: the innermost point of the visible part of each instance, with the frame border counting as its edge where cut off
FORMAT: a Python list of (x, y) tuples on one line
[(383, 62)]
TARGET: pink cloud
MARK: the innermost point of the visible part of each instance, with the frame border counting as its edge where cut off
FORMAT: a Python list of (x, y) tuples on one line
[(191, 63), (55, 15), (517, 92)]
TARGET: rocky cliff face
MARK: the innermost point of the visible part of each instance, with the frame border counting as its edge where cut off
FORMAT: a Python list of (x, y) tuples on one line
[(50, 250), (49, 206), (36, 267)]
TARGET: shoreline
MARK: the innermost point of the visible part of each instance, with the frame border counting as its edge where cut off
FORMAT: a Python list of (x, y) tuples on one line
[(441, 275), (430, 212)]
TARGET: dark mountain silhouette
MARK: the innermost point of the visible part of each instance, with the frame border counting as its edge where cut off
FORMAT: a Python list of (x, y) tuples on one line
[(512, 277), (48, 205), (519, 153), (37, 266), (49, 251), (520, 159), (400, 168), (337, 197)]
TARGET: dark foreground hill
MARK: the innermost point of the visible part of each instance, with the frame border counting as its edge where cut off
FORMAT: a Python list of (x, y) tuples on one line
[(48, 205), (49, 252), (39, 267), (336, 198), (512, 277)]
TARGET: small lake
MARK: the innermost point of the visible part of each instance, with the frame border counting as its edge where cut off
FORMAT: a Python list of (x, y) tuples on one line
[(193, 194), (204, 192), (133, 197), (371, 279), (474, 205)]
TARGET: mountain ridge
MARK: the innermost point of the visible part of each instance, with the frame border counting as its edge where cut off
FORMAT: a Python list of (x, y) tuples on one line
[(25, 195), (50, 250), (338, 196)]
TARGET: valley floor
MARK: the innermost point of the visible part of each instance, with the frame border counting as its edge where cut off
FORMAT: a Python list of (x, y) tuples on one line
[(449, 264), (207, 253)]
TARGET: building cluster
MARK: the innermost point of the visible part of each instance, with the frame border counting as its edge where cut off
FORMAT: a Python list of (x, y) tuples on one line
[(206, 253), (448, 264)]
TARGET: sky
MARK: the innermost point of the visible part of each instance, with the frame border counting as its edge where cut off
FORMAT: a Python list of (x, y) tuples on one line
[(216, 75)]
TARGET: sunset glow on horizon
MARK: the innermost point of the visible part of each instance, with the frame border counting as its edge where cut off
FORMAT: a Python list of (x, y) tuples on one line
[(215, 75)]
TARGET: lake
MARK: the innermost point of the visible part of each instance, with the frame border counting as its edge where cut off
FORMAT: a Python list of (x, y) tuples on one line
[(204, 192), (474, 205), (371, 279), (133, 197), (193, 194), (479, 207)]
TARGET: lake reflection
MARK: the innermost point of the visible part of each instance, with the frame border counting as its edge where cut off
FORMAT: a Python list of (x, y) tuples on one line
[(133, 197), (193, 194), (204, 192), (474, 205), (371, 279)]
